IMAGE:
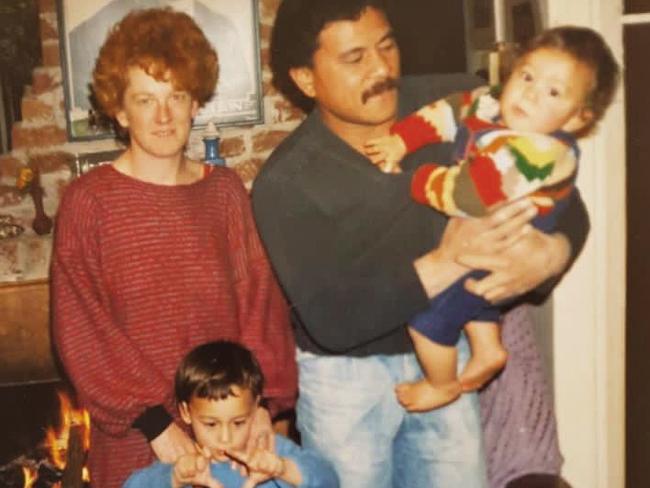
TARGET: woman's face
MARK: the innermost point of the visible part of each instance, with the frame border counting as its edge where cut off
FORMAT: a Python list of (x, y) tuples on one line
[(157, 116)]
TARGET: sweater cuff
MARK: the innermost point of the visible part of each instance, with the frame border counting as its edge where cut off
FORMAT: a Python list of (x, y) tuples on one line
[(279, 407), (153, 421), (420, 183)]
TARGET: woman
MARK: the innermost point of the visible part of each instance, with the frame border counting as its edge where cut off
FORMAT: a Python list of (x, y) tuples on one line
[(156, 253)]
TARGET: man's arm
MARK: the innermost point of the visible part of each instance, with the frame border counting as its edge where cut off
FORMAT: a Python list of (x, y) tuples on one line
[(536, 262), (485, 238)]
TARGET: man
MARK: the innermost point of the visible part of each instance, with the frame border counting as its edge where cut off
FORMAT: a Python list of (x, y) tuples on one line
[(357, 258)]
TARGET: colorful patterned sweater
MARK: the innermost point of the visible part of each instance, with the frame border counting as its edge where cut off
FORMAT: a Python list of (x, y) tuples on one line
[(494, 164), (142, 273)]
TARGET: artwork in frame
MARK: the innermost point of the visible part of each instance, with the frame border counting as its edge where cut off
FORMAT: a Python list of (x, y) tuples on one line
[(480, 24), (231, 27), (523, 20)]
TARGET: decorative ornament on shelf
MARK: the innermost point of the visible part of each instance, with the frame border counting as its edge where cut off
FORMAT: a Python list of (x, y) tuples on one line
[(29, 180), (211, 141), (9, 227)]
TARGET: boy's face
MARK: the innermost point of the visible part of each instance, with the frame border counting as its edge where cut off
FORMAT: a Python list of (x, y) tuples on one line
[(350, 68), (547, 91), (221, 425)]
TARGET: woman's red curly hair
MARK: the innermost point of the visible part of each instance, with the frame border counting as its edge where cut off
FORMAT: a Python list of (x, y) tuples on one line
[(164, 43)]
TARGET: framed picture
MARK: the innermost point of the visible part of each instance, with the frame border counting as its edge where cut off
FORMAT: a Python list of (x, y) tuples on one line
[(231, 27), (523, 20), (479, 16)]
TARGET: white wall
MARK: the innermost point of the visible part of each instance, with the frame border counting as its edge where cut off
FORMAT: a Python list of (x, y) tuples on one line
[(589, 305)]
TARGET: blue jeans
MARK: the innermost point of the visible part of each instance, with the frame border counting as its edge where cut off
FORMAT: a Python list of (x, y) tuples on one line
[(347, 410)]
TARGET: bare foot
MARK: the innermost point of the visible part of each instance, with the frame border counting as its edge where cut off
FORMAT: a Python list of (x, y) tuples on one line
[(421, 396), (482, 366)]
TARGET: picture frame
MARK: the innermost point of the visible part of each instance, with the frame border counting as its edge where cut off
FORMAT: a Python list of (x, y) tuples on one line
[(523, 20), (479, 17), (231, 26)]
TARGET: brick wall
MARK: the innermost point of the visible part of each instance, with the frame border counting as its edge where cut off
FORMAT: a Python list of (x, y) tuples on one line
[(40, 140)]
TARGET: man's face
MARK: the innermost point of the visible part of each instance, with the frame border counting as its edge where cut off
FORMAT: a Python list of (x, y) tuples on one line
[(354, 72)]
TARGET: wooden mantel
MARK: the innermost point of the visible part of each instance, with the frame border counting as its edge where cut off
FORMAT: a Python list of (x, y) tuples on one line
[(26, 354)]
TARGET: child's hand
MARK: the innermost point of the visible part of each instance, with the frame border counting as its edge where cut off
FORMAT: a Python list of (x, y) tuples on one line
[(261, 464), (194, 469), (386, 152)]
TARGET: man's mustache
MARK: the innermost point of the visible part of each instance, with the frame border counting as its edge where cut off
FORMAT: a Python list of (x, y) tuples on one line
[(379, 88)]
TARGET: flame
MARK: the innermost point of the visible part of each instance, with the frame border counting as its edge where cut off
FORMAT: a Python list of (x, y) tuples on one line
[(30, 476), (85, 475), (57, 439), (25, 177)]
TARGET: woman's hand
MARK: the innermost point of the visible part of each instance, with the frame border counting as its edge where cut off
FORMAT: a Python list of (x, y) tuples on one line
[(172, 443), (262, 435)]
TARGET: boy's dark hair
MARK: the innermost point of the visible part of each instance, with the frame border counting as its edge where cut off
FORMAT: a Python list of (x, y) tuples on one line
[(586, 46), (212, 369), (294, 39)]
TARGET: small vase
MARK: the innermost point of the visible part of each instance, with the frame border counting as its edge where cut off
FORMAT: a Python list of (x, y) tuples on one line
[(42, 224)]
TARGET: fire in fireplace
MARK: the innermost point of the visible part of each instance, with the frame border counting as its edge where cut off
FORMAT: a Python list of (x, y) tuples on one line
[(47, 437)]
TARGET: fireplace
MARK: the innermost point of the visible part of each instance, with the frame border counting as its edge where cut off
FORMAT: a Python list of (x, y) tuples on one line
[(44, 436)]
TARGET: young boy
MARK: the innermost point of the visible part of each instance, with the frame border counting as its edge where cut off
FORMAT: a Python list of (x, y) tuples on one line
[(522, 143), (218, 387)]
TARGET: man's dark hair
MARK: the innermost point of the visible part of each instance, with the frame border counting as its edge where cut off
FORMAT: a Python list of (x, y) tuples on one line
[(587, 46), (294, 39), (212, 370)]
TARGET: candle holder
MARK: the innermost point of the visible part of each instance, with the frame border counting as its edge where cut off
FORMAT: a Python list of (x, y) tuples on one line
[(211, 141), (29, 180)]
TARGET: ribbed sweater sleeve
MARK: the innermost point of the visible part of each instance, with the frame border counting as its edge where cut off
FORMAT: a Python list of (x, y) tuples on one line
[(97, 353), (262, 306)]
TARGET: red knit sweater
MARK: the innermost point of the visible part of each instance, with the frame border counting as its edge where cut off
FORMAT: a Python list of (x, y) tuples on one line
[(142, 273)]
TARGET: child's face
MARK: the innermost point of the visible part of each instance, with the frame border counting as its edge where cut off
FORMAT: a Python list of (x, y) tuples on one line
[(221, 424), (547, 91)]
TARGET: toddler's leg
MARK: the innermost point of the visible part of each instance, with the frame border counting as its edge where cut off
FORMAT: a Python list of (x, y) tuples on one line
[(440, 384), (488, 354)]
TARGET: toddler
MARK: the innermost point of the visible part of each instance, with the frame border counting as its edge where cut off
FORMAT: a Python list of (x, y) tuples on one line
[(511, 143)]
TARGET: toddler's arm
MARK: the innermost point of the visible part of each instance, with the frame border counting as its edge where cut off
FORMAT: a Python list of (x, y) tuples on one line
[(431, 124), (507, 167)]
